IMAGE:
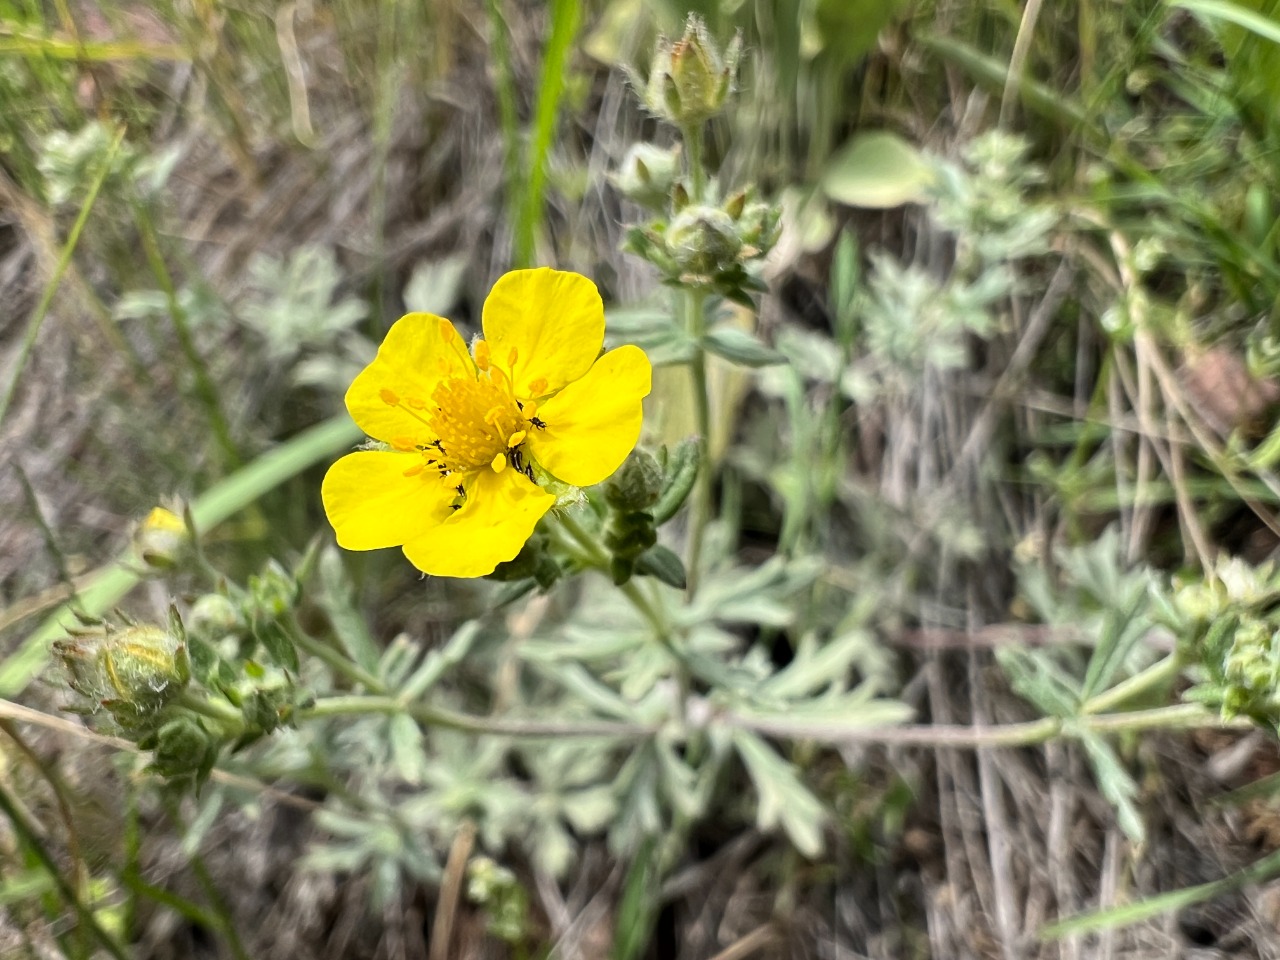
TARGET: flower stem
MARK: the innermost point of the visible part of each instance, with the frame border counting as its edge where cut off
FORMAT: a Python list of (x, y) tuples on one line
[(598, 557), (692, 136), (1161, 673), (357, 704), (220, 711), (335, 660), (700, 514)]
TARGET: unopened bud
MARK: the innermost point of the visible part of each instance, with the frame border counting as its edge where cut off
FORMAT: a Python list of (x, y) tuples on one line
[(690, 79), (703, 240), (161, 539), (647, 174), (182, 747), (213, 616), (636, 485), (132, 671)]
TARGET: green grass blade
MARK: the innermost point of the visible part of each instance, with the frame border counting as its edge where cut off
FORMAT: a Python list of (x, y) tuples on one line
[(1251, 20), (1130, 913), (216, 504), (565, 16), (64, 261)]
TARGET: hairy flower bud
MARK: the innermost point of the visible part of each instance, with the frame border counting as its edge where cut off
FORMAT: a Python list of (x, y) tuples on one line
[(162, 539), (647, 175), (690, 79), (701, 239), (636, 485), (131, 671), (182, 747)]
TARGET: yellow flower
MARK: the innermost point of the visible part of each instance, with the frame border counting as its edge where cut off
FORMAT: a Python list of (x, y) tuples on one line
[(470, 433)]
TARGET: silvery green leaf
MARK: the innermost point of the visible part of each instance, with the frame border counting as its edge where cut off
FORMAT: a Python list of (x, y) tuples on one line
[(877, 170), (336, 596), (1034, 675), (436, 662), (782, 799), (818, 665), (553, 848), (589, 810), (738, 346), (1116, 785), (435, 286), (582, 645), (590, 691), (640, 811), (405, 739), (812, 355)]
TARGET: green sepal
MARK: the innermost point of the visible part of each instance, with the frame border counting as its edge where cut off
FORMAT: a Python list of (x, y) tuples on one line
[(681, 473), (662, 564)]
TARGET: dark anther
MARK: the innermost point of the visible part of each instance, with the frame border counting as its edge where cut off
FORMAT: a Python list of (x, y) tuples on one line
[(538, 422)]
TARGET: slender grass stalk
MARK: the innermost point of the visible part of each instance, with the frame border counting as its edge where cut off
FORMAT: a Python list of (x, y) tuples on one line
[(206, 391), (64, 261), (700, 511), (694, 304), (506, 93), (565, 17)]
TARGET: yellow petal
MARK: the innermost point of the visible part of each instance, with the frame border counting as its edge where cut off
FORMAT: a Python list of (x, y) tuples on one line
[(553, 322), (593, 423), (499, 516), (388, 399), (373, 504)]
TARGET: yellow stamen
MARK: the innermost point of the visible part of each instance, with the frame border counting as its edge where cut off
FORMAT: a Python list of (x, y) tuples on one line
[(403, 444), (415, 402), (516, 439), (415, 470), (511, 358), (499, 463), (481, 350), (473, 419), (389, 397), (530, 410), (538, 387)]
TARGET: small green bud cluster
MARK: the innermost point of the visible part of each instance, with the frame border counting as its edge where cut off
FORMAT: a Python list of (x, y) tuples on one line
[(505, 902), (644, 493), (690, 79), (705, 246), (695, 238), (188, 691), (1230, 624)]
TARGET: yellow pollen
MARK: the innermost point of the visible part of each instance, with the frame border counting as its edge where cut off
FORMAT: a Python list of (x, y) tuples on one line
[(416, 469), (403, 444), (481, 349), (516, 439), (511, 358), (472, 419), (499, 463), (530, 410), (389, 397), (538, 387), (415, 403)]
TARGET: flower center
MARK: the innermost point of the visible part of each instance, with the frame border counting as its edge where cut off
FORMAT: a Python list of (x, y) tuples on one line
[(475, 420)]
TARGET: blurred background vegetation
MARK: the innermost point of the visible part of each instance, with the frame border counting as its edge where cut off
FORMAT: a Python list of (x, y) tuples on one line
[(1018, 362)]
